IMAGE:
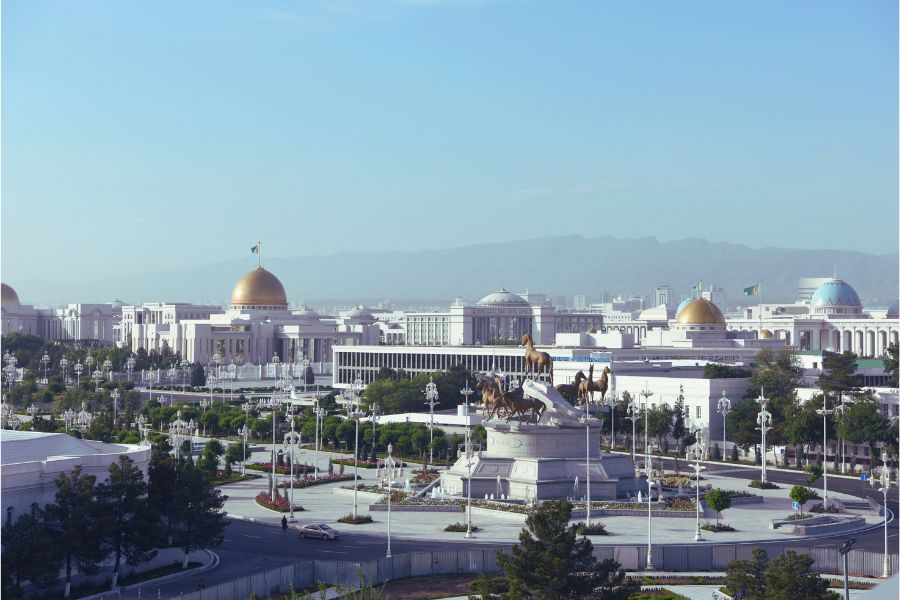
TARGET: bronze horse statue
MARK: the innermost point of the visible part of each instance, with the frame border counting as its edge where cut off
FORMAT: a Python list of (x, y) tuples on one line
[(572, 389), (507, 404), (536, 361), (492, 398), (589, 386)]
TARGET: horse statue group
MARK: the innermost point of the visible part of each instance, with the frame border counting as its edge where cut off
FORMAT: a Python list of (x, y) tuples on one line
[(583, 387), (507, 403)]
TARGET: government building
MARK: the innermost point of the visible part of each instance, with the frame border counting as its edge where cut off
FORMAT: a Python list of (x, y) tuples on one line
[(75, 322)]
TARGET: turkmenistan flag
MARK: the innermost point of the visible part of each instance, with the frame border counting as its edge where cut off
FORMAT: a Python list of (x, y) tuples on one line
[(254, 249), (753, 290), (698, 287)]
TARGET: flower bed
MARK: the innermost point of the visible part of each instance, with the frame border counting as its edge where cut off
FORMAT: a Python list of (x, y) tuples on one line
[(673, 481), (460, 528), (596, 528), (739, 494), (357, 520), (716, 527), (281, 470), (818, 508), (759, 485), (278, 505), (364, 463), (424, 477), (310, 481)]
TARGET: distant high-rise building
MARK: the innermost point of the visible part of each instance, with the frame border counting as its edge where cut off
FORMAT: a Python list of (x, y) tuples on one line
[(561, 302), (806, 287), (716, 295), (662, 295), (579, 301)]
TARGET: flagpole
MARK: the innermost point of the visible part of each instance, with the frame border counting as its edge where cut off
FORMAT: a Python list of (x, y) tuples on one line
[(258, 254), (759, 308)]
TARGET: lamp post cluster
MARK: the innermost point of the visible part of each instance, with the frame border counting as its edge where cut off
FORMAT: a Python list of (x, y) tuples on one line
[(724, 407), (697, 455), (466, 392), (292, 439), (179, 429), (8, 419), (390, 465), (351, 400), (64, 367), (431, 395), (764, 420), (824, 412), (45, 361)]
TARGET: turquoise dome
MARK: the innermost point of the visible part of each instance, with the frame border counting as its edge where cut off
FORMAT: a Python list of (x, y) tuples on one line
[(684, 303), (835, 293)]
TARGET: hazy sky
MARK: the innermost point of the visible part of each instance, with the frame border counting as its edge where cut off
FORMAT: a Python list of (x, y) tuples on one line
[(147, 136)]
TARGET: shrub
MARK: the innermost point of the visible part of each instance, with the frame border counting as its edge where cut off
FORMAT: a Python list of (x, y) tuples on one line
[(734, 454), (278, 504), (759, 485), (596, 528), (459, 528), (800, 495), (716, 527), (718, 500), (357, 520)]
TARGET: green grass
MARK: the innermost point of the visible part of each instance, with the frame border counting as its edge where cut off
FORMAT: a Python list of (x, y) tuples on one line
[(234, 478)]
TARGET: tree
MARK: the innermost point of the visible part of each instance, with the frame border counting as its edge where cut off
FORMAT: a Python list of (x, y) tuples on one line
[(718, 500), (891, 364), (748, 576), (28, 555), (73, 523), (838, 373), (209, 461), (659, 423), (198, 375), (718, 371), (197, 516), (790, 577), (813, 472), (801, 495), (862, 422), (551, 562), (776, 370), (679, 431), (126, 519), (802, 425), (163, 480), (237, 452)]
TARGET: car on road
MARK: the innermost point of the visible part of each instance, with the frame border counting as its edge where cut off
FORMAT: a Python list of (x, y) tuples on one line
[(318, 530)]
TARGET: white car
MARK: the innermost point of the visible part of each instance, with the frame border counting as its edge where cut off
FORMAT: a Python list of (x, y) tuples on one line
[(318, 530)]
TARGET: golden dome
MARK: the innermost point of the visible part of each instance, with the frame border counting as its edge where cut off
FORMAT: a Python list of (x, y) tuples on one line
[(8, 295), (258, 288), (765, 334), (700, 311)]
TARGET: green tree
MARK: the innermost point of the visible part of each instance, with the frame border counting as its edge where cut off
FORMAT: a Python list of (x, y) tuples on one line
[(679, 431), (717, 371), (777, 371), (198, 375), (197, 517), (802, 426), (718, 500), (748, 576), (862, 422), (838, 373), (801, 495), (73, 523), (209, 461), (658, 423), (125, 516), (163, 481), (790, 577), (552, 562), (28, 555), (236, 452), (813, 472), (891, 363)]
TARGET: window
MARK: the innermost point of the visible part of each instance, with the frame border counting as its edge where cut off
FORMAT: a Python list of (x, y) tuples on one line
[(699, 411)]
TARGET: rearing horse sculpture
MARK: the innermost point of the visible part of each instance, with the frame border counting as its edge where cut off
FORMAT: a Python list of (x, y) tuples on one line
[(571, 389), (589, 386), (536, 361)]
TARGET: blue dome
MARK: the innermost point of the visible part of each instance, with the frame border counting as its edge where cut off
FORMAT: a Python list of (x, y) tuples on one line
[(893, 310), (835, 293), (684, 303)]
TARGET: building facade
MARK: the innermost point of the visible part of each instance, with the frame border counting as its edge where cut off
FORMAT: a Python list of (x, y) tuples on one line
[(75, 322)]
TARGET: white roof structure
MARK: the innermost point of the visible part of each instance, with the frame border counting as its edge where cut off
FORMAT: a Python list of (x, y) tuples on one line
[(31, 446)]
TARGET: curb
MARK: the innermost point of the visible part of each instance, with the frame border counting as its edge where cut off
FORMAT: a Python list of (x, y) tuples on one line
[(212, 564)]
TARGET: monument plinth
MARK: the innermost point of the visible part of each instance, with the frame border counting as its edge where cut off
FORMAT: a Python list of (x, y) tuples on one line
[(543, 460)]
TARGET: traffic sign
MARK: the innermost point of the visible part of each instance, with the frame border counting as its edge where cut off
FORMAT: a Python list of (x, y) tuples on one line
[(863, 477), (795, 505)]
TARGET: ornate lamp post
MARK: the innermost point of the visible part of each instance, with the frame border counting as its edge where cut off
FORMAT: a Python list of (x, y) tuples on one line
[(78, 369), (64, 366), (151, 377), (650, 484), (179, 429), (217, 360), (211, 381), (232, 375), (431, 394), (291, 440), (646, 394), (5, 413), (32, 410), (587, 431), (319, 413), (171, 374), (115, 398), (612, 407), (724, 407), (824, 412), (697, 452), (389, 464), (466, 392), (45, 360), (141, 424), (764, 419), (244, 431), (885, 481), (633, 415), (274, 404), (84, 418), (353, 412), (10, 371), (68, 418), (184, 364), (375, 414), (89, 362), (129, 366), (305, 364), (96, 376), (107, 366)]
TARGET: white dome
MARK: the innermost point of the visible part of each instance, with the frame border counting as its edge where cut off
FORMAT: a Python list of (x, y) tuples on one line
[(503, 298)]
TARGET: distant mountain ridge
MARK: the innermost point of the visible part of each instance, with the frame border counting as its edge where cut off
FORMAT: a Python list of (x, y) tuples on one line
[(556, 266)]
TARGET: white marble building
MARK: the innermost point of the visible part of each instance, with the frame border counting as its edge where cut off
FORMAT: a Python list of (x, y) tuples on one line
[(77, 322)]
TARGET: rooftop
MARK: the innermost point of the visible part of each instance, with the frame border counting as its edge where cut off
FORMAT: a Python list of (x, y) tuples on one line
[(32, 446)]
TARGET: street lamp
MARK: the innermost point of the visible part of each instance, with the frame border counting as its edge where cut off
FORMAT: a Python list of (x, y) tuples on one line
[(646, 394), (178, 430), (96, 376), (824, 412), (431, 394), (32, 410), (171, 374), (319, 413), (129, 366), (115, 398), (352, 402), (45, 360), (141, 423), (466, 392), (697, 452), (724, 406), (78, 369), (305, 364), (650, 484), (107, 366), (151, 377), (612, 407), (633, 415), (184, 364), (89, 361), (375, 412), (764, 420), (587, 430), (68, 418), (885, 481), (291, 440), (844, 551), (274, 404), (244, 431), (64, 365), (389, 464), (211, 381), (84, 418)]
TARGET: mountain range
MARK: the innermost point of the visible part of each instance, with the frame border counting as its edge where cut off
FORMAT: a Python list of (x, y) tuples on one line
[(556, 266)]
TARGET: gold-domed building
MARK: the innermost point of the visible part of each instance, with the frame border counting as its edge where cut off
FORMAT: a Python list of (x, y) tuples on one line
[(8, 295), (701, 314), (258, 290)]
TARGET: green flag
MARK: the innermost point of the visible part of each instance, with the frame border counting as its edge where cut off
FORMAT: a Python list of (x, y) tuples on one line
[(254, 249), (753, 290), (698, 287)]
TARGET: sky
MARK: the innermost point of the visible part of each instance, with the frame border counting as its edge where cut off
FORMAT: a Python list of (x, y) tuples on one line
[(143, 137)]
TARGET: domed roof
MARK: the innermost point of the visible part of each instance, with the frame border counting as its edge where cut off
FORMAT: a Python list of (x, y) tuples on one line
[(835, 293), (306, 311), (655, 313), (683, 303), (258, 288), (360, 313), (9, 295), (765, 334), (893, 310), (700, 311), (503, 298)]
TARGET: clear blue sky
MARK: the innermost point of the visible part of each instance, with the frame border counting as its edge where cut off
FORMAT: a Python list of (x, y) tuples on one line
[(147, 136)]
